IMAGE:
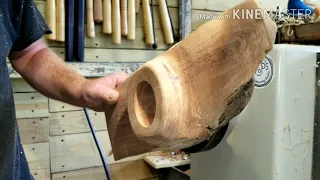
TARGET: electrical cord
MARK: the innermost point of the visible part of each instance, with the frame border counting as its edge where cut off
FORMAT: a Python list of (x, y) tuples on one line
[(104, 162)]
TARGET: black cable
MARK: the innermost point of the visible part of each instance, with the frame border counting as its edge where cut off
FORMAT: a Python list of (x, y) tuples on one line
[(104, 162), (154, 45)]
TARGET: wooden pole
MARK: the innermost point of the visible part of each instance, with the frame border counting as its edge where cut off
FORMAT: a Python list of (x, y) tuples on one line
[(97, 11), (131, 20), (166, 22), (51, 18), (60, 21), (147, 19), (116, 22), (90, 22), (124, 17), (107, 20)]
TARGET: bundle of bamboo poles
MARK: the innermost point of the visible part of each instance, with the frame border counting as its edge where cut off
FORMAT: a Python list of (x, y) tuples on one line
[(118, 18)]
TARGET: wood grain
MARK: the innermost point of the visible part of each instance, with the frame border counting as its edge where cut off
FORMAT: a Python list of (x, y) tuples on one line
[(166, 22), (107, 19), (97, 11), (68, 153), (74, 122), (174, 101), (131, 20), (90, 21), (124, 17), (31, 105), (116, 22), (51, 18), (60, 20), (148, 31), (34, 130)]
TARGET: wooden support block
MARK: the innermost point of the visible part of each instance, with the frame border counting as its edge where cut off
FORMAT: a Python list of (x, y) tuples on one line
[(167, 160), (58, 106), (34, 130), (38, 159), (78, 151), (74, 122), (132, 170), (176, 101), (31, 105)]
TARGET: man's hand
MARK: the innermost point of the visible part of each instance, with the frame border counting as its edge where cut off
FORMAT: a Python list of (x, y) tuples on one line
[(100, 93)]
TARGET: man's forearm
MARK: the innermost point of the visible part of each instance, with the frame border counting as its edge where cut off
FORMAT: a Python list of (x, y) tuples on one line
[(49, 75)]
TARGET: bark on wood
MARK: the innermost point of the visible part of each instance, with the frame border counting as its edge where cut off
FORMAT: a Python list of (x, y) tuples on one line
[(182, 96)]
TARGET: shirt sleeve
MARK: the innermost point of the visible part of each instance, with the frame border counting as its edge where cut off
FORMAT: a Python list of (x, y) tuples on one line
[(32, 26)]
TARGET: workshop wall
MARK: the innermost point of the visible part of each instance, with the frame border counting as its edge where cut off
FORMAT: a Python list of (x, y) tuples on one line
[(57, 140)]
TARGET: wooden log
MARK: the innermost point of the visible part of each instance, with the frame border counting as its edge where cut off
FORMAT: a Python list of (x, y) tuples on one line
[(90, 21), (116, 25), (97, 11), (124, 17), (60, 21), (183, 96), (137, 4), (51, 18)]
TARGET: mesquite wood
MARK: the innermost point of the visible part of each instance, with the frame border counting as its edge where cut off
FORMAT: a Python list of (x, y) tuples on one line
[(181, 97)]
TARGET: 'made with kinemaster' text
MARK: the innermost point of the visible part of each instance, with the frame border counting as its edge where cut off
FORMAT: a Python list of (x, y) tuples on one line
[(252, 14)]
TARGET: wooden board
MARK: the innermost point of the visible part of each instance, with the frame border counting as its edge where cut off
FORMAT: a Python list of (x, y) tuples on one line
[(133, 170), (74, 122), (20, 85), (167, 160), (94, 69), (38, 159), (114, 55), (58, 106), (31, 105), (34, 130), (78, 151)]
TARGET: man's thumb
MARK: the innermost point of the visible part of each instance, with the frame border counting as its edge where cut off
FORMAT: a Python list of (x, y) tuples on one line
[(112, 96)]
